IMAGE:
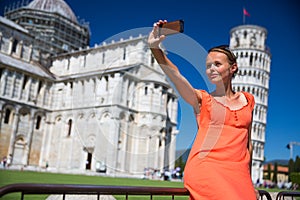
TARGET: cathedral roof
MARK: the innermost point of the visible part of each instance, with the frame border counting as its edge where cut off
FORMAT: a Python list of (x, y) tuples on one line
[(24, 66), (55, 6), (12, 24)]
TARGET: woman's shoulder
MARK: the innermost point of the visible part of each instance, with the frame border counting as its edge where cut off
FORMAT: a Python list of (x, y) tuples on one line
[(201, 91), (250, 98), (248, 95)]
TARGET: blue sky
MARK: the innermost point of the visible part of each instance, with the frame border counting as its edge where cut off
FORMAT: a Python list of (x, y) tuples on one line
[(209, 23)]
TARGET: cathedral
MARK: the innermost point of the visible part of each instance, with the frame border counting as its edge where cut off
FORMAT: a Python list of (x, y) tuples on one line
[(72, 108)]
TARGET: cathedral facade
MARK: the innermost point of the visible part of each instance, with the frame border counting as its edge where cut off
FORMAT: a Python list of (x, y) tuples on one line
[(106, 108)]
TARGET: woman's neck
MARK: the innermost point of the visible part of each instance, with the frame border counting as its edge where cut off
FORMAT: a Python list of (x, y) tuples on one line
[(224, 90)]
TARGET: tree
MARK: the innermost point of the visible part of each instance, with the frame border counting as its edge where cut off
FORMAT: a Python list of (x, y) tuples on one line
[(275, 172), (291, 168), (269, 172), (297, 164)]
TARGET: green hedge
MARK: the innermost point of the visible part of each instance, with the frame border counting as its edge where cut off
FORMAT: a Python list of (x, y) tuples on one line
[(295, 177)]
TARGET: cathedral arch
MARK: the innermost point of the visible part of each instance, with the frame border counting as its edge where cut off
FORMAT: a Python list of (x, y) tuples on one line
[(122, 116), (80, 115), (24, 111), (19, 154), (58, 118), (131, 118), (24, 121), (91, 115), (105, 116)]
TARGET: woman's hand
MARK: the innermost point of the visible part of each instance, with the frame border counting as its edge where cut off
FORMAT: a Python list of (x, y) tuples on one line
[(257, 194), (154, 38)]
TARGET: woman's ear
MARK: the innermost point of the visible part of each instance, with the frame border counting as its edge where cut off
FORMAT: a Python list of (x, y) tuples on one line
[(234, 68)]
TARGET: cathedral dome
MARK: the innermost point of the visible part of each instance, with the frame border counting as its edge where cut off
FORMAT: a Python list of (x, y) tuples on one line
[(55, 6)]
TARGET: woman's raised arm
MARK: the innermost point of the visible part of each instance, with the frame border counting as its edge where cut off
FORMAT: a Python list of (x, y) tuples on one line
[(185, 89)]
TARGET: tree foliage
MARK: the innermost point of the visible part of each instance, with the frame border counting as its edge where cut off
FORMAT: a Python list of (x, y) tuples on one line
[(275, 173), (294, 170)]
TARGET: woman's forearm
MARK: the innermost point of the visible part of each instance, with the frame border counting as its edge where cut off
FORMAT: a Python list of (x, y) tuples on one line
[(184, 88)]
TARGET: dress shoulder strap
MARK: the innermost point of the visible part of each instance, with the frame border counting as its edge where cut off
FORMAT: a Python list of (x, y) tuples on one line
[(250, 98)]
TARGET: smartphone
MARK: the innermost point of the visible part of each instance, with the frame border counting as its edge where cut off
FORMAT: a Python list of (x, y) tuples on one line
[(170, 28)]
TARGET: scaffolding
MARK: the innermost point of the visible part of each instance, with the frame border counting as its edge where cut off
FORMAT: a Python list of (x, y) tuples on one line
[(58, 33)]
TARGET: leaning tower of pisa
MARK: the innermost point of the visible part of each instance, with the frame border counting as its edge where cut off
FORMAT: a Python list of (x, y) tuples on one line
[(248, 42)]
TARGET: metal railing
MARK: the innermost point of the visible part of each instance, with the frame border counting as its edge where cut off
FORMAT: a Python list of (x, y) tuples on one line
[(281, 195), (67, 189)]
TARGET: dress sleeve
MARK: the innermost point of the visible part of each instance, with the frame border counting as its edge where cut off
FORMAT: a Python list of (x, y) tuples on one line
[(205, 100), (251, 100), (199, 95)]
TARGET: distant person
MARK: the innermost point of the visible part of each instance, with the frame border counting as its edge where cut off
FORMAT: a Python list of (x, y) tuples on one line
[(4, 161), (219, 163)]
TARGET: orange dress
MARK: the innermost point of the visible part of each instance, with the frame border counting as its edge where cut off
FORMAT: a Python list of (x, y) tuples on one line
[(218, 164)]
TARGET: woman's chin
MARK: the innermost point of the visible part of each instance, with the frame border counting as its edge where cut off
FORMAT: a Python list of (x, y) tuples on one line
[(215, 80)]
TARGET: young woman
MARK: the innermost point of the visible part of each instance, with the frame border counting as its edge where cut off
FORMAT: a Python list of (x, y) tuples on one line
[(219, 163)]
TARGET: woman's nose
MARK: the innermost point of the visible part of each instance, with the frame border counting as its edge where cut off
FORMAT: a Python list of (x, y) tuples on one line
[(213, 67)]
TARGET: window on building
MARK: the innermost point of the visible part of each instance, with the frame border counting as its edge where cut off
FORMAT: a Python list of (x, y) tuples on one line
[(24, 82), (14, 46), (103, 58), (146, 90), (1, 72), (38, 122), (251, 59), (245, 34), (7, 116), (40, 86), (69, 127), (106, 85), (88, 161), (124, 53), (152, 60)]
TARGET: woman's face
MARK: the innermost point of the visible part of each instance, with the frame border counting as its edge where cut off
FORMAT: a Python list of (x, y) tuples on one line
[(218, 68)]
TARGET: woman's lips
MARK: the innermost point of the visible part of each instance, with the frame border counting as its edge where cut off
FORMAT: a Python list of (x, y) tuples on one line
[(213, 75)]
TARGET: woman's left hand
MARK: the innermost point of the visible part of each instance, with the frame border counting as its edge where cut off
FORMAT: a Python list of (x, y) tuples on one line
[(154, 39), (257, 194)]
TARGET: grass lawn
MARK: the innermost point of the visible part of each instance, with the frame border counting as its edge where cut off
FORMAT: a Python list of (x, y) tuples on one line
[(10, 177)]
